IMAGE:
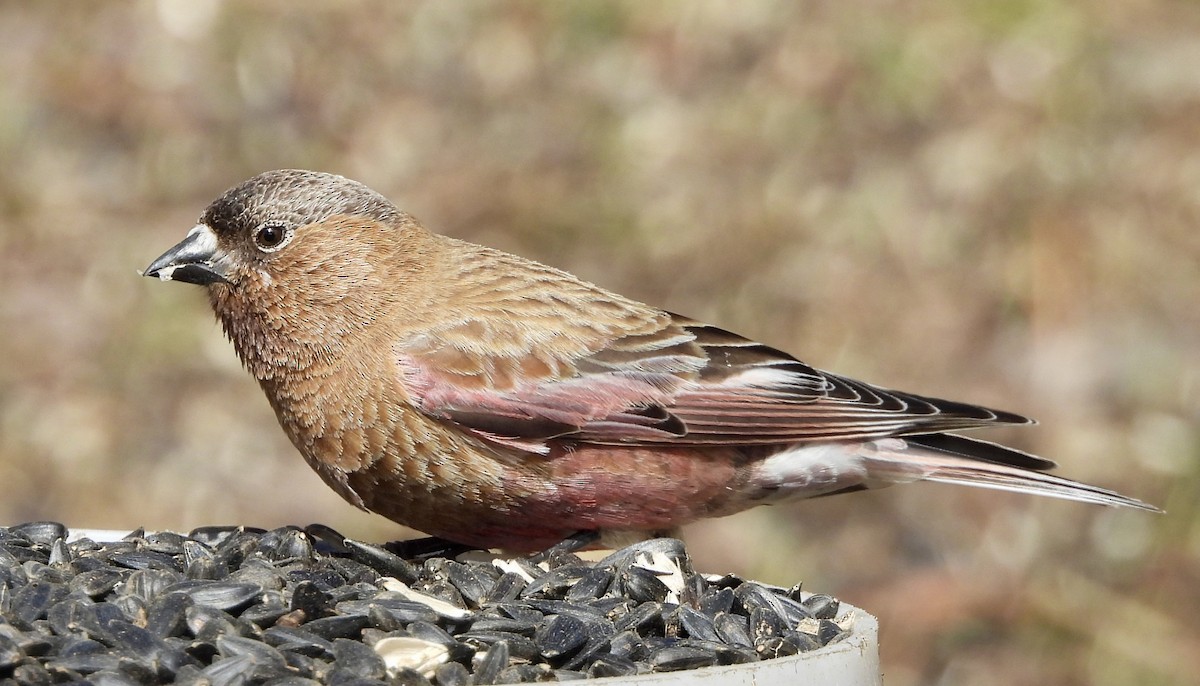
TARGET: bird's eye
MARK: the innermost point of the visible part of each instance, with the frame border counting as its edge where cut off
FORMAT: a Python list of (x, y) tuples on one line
[(272, 236)]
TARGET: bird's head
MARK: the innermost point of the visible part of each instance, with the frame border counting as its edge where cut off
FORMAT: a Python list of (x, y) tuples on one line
[(293, 259)]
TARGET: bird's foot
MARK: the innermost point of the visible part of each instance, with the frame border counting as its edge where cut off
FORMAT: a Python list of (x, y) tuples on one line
[(419, 549), (576, 541)]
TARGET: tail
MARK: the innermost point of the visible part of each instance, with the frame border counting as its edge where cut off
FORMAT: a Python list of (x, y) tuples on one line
[(954, 459)]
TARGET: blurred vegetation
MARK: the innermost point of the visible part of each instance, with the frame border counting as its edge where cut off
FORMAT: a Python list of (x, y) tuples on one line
[(996, 202)]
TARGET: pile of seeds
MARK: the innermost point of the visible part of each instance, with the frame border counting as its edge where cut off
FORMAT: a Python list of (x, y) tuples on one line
[(295, 606)]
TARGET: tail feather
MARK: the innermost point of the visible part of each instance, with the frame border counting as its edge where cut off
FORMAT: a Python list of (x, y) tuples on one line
[(970, 462), (977, 449)]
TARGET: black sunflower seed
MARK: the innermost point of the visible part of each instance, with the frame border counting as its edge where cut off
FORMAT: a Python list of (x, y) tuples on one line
[(452, 674), (828, 632), (405, 676), (471, 581), (507, 587), (821, 606), (340, 626), (493, 661), (43, 533), (643, 585), (382, 561), (10, 653), (695, 624), (358, 659), (95, 583), (33, 601), (675, 658), (218, 595), (612, 665), (167, 614), (298, 640), (560, 636), (733, 630), (519, 646), (516, 626)]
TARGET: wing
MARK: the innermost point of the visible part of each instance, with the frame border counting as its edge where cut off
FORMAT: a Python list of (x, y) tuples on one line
[(529, 353), (670, 381)]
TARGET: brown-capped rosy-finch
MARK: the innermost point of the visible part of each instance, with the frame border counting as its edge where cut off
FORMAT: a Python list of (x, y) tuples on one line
[(494, 401)]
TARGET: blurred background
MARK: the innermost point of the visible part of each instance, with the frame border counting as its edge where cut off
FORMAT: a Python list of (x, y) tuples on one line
[(994, 202)]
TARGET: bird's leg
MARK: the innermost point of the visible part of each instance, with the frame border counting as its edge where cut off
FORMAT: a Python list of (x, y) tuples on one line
[(576, 541), (428, 547)]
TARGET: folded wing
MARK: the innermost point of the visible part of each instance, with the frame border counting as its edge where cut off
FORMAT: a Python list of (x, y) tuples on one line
[(679, 382)]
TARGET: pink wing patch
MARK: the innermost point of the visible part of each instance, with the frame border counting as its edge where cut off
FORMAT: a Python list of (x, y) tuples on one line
[(685, 384), (527, 414)]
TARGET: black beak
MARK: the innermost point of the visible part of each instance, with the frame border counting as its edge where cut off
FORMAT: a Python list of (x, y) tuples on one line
[(196, 259)]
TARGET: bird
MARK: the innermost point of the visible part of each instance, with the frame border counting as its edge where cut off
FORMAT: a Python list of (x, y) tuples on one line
[(496, 402)]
